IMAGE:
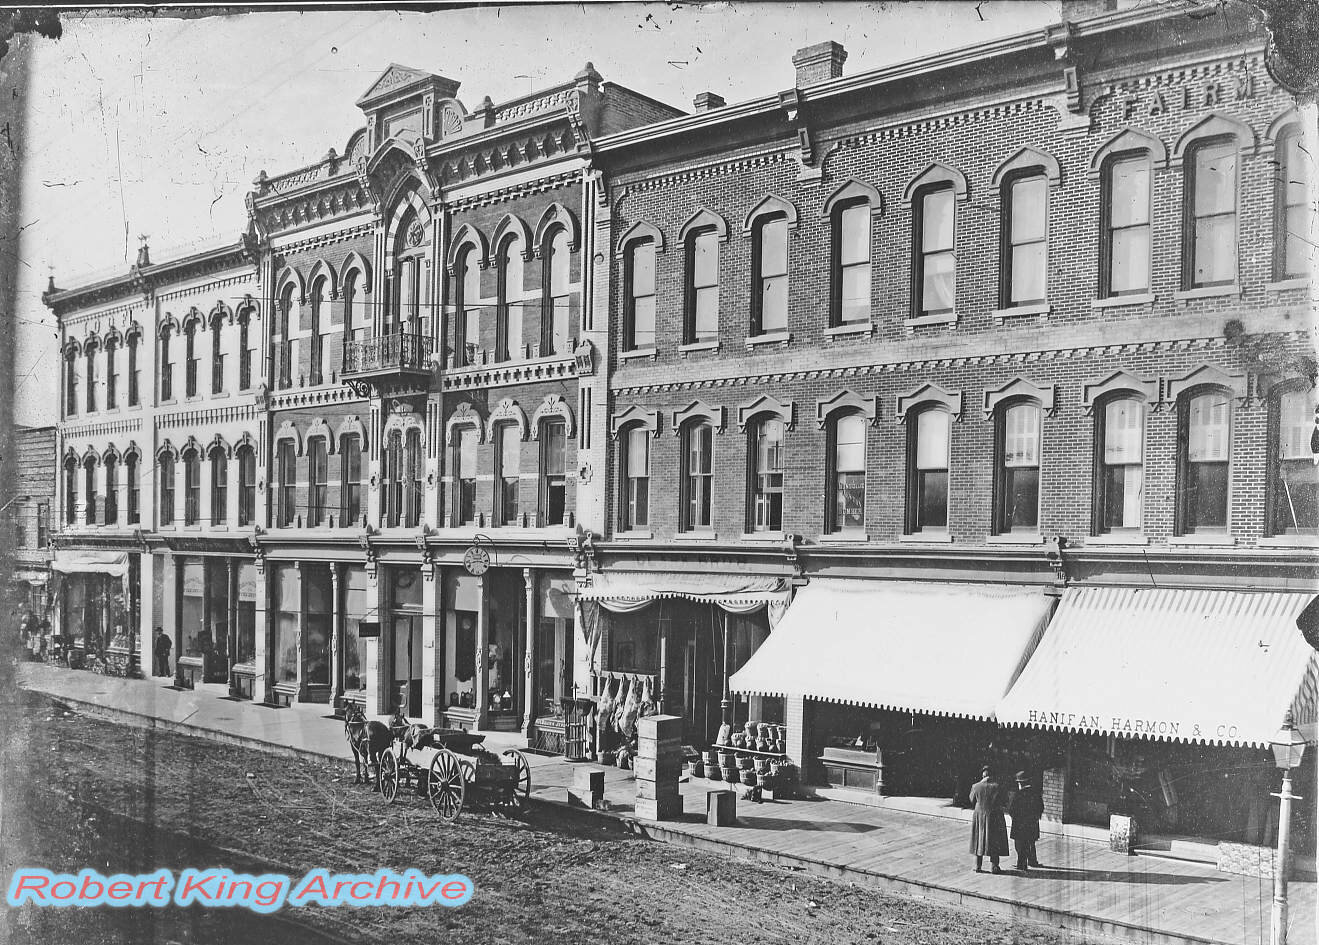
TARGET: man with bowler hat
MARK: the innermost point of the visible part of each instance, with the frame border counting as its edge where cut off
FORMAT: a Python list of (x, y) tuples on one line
[(1026, 808)]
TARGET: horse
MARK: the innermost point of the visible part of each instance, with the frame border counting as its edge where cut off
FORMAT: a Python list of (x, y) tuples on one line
[(368, 741)]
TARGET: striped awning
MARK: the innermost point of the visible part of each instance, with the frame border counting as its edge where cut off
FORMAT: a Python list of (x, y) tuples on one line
[(89, 561), (1211, 666), (641, 587), (941, 649)]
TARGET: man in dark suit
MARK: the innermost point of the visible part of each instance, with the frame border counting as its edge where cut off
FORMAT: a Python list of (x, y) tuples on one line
[(160, 649), (1026, 808)]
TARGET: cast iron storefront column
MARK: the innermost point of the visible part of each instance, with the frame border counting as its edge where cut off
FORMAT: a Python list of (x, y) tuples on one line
[(481, 688), (178, 621), (231, 621), (529, 694), (336, 635)]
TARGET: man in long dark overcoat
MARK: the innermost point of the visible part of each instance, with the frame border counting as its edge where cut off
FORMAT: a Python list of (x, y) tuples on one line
[(1026, 808), (989, 830)]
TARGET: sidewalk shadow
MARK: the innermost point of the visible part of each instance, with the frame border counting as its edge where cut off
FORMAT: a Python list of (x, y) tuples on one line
[(748, 817), (1079, 874)]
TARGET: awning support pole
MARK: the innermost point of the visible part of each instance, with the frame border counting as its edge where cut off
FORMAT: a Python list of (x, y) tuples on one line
[(725, 704)]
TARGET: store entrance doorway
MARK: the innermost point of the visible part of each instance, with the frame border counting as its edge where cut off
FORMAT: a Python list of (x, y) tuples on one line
[(406, 682)]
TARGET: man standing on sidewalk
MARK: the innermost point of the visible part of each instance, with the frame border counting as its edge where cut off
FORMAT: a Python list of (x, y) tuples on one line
[(161, 647), (1026, 808)]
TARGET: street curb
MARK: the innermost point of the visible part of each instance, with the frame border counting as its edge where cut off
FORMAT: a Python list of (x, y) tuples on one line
[(931, 892)]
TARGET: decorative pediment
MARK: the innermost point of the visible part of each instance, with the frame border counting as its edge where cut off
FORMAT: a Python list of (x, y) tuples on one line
[(167, 449), (287, 431), (246, 442), (464, 416), (935, 174), (323, 270), (704, 219), (635, 416), (557, 215), (855, 190), (773, 204), (1028, 159), (392, 79), (352, 426), (700, 410), (468, 236), (639, 231), (1115, 383), (1019, 388), (928, 394), (218, 443), (506, 411), (552, 406), (1126, 141), (1214, 126), (846, 401), (1206, 376), (513, 225), (291, 277), (319, 428), (191, 446), (111, 453), (356, 261), (767, 405)]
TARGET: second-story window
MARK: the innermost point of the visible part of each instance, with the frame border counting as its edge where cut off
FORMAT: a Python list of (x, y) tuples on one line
[(89, 489), (846, 510), (468, 307), (414, 462), (70, 491), (165, 470), (508, 460), (927, 470), (134, 375), (92, 351), (1125, 249), (245, 349), (935, 259), (192, 487), (702, 322), (70, 382), (246, 485), (192, 359), (134, 489), (1025, 260), (639, 279), (851, 282), (697, 475), (1205, 425), (558, 262), (286, 495), (318, 477), (283, 354), (111, 373), (1121, 454), (111, 466), (553, 472), (1018, 469), (634, 503), (1210, 253), (508, 341), (770, 266), (392, 478), (217, 354), (350, 480), (1291, 210), (219, 485), (767, 475), (166, 364), (1295, 486), (43, 524), (317, 336), (464, 499)]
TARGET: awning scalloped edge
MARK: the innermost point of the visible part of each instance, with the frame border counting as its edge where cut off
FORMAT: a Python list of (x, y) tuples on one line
[(867, 704)]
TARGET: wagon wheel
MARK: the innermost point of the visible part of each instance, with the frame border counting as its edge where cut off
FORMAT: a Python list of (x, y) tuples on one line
[(389, 776), (447, 786), (522, 790)]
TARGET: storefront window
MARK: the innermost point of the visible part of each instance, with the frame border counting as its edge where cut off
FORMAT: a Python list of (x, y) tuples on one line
[(634, 642), (357, 607), (247, 591), (215, 641), (194, 609), (317, 618), (288, 591)]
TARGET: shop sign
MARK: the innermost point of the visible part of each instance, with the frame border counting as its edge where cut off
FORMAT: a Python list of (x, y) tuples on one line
[(1209, 94), (247, 582), (192, 580), (1123, 725)]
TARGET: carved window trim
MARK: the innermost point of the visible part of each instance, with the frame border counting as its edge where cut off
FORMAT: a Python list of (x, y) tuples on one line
[(635, 416), (935, 174), (506, 411), (1019, 388), (1119, 382), (700, 410), (769, 405), (925, 395), (847, 401)]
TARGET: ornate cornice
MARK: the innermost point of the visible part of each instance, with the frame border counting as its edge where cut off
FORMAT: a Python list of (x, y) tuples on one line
[(312, 397), (508, 373)]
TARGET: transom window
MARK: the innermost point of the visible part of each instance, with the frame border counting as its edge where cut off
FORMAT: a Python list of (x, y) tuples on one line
[(1126, 244), (639, 317), (1018, 504), (1120, 450), (1211, 211)]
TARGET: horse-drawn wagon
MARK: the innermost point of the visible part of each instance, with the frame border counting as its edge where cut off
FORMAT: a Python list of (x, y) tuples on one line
[(452, 768)]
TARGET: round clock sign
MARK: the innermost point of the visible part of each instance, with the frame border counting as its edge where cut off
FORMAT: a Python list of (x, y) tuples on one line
[(476, 560)]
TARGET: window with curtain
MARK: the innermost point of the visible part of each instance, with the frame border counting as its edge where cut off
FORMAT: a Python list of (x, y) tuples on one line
[(92, 351), (1018, 469), (927, 470), (286, 496), (847, 474), (508, 341), (767, 475), (770, 265), (639, 317), (508, 463), (134, 489), (1026, 240), (192, 487), (702, 322), (468, 305), (392, 478), (414, 462), (1296, 485), (1206, 421), (936, 262), (1121, 452), (851, 233), (1126, 225), (191, 359), (217, 354), (219, 485), (558, 261), (697, 475), (134, 376), (553, 472), (1211, 215), (111, 373), (246, 485), (464, 463), (634, 503), (165, 470), (350, 480), (1291, 209), (318, 480), (89, 490), (70, 491)]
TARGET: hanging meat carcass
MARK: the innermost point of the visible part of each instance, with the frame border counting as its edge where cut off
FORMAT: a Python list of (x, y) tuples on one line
[(605, 707), (625, 689), (648, 706), (627, 718)]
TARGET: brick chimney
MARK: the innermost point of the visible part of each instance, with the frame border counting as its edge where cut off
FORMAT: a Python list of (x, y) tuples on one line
[(706, 101), (819, 63)]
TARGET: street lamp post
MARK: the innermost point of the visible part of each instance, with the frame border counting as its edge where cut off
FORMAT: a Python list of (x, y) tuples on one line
[(1288, 748)]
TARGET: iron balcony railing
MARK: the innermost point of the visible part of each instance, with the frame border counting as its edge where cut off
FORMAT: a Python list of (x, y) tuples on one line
[(399, 351)]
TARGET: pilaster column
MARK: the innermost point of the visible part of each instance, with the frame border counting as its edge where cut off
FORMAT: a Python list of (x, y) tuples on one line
[(301, 679), (336, 634), (530, 697), (178, 619), (231, 621), (481, 689)]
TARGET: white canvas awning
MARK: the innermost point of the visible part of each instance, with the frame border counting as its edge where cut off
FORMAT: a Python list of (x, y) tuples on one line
[(942, 649), (628, 591), (78, 561)]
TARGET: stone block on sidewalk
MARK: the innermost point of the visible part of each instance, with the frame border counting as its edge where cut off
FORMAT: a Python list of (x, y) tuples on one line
[(587, 788)]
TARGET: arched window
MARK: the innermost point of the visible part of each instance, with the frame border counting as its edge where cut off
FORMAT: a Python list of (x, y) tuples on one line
[(165, 470), (93, 349), (111, 466), (508, 469), (1120, 464), (553, 472), (70, 382), (414, 461), (245, 349), (928, 436), (286, 494), (134, 375), (192, 488), (134, 488), (351, 306), (846, 463), (464, 475), (410, 290), (1295, 486), (1291, 212), (350, 480), (508, 343), (556, 306), (285, 319), (697, 476), (192, 359), (1017, 508), (702, 295), (639, 311), (111, 373), (1205, 425), (467, 282), (1125, 243), (766, 475), (1209, 255), (1024, 258), (166, 364), (89, 489), (318, 478), (70, 490), (935, 260), (217, 353), (317, 337), (246, 485), (392, 461), (850, 227), (634, 478), (219, 485), (769, 266)]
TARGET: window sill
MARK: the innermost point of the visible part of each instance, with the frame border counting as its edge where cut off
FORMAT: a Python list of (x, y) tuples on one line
[(169, 403), (1123, 301), (219, 528), (764, 537), (769, 338), (219, 395), (843, 538), (1289, 541), (1225, 540), (1016, 538), (633, 535), (916, 321), (711, 345), (1040, 308), (1118, 538), (1287, 285), (866, 327), (1208, 292), (702, 535), (929, 537), (638, 354)]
